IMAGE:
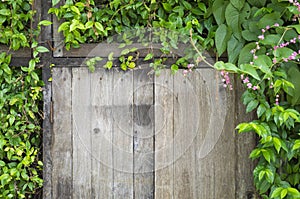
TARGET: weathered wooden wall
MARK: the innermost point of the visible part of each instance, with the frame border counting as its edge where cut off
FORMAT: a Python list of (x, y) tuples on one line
[(134, 135)]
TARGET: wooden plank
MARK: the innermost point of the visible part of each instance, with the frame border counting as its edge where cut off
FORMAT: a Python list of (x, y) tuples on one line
[(225, 147), (203, 167), (186, 126), (42, 8), (216, 165), (143, 127), (123, 134), (245, 143), (164, 151), (102, 124), (58, 38), (22, 52), (62, 134), (81, 107)]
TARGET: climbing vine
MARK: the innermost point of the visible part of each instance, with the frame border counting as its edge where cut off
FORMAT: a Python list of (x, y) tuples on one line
[(20, 100)]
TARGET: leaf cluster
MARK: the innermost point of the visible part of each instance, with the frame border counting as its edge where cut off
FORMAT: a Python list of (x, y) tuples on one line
[(20, 103)]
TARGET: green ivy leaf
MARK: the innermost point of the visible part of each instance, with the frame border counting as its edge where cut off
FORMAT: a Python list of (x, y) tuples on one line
[(221, 38), (5, 12), (234, 47), (239, 4), (75, 9), (232, 16), (252, 105), (218, 10), (296, 145), (42, 49), (250, 70), (277, 144), (148, 56), (44, 23), (245, 55), (55, 2), (167, 7)]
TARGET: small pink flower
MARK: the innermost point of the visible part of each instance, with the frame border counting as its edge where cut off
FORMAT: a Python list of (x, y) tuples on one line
[(268, 27), (249, 85), (276, 24), (189, 66), (255, 57), (246, 80), (261, 37), (263, 30), (255, 88), (185, 72)]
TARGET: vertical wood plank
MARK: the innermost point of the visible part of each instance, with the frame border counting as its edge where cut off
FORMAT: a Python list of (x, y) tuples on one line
[(58, 38), (186, 126), (204, 166), (123, 134), (143, 127), (102, 121), (81, 107), (62, 134), (245, 143), (164, 151), (217, 152)]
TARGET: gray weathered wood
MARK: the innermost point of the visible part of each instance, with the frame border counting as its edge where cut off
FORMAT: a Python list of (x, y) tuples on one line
[(22, 52), (123, 134), (107, 120), (81, 108), (143, 128), (102, 132), (58, 38), (62, 134), (245, 143), (164, 151), (216, 168), (186, 126)]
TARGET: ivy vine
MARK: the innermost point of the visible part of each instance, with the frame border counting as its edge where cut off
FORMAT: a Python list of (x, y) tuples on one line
[(20, 103)]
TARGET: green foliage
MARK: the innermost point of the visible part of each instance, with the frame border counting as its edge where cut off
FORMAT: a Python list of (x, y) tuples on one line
[(20, 100), (20, 139), (269, 69), (167, 23)]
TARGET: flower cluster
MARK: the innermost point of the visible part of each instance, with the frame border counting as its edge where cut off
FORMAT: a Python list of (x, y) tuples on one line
[(226, 80), (247, 82), (297, 4), (189, 69), (293, 56)]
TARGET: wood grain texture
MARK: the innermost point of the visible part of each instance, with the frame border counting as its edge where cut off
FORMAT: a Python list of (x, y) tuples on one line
[(245, 143), (186, 126), (131, 135), (62, 134), (102, 132), (216, 166), (143, 128), (123, 134), (81, 108), (58, 38), (164, 136)]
